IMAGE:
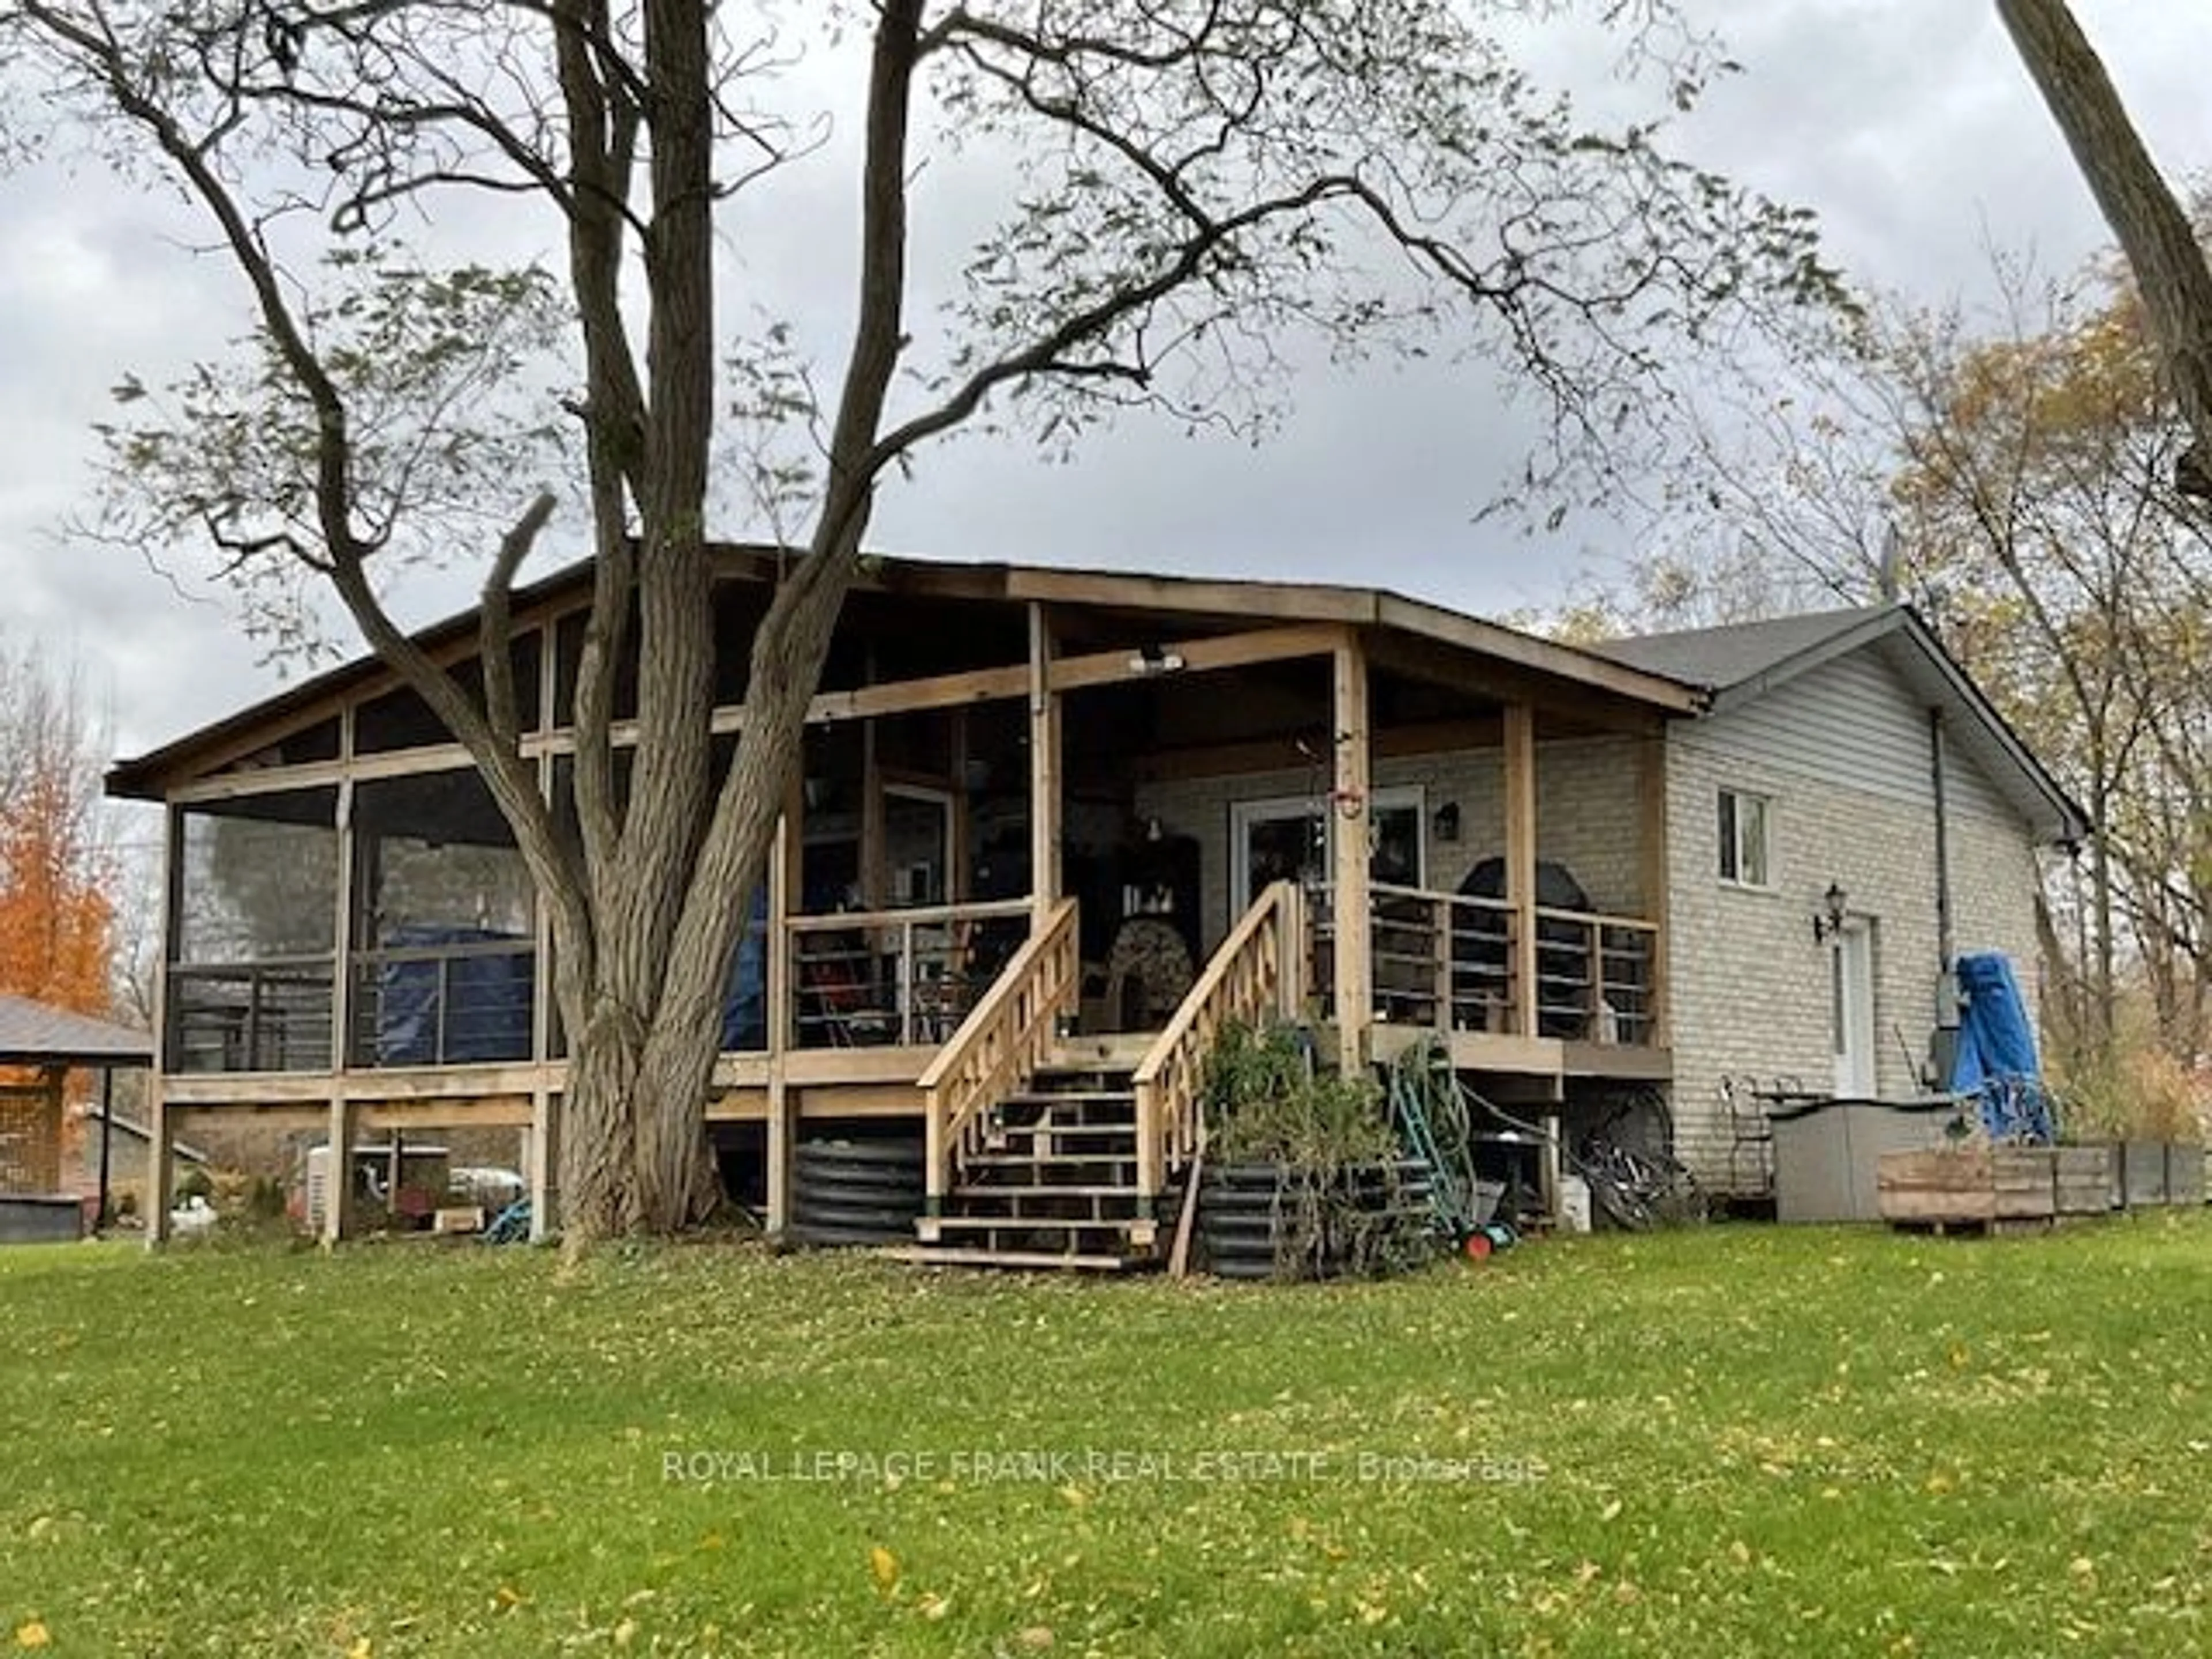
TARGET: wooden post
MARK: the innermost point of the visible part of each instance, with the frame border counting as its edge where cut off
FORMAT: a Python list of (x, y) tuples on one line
[(1521, 858), (545, 1171), (1044, 773), (104, 1214), (958, 858), (1295, 947), (1351, 813), (543, 1168), (541, 930), (782, 875), (1652, 802), (337, 1170), (343, 910), (873, 841), (158, 1138)]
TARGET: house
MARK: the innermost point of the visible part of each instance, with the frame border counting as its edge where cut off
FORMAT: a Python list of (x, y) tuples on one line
[(1061, 824)]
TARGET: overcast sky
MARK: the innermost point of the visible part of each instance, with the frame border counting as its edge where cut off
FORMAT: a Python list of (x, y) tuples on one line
[(1907, 124)]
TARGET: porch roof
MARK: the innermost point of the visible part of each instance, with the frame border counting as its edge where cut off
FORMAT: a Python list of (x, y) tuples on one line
[(1193, 598)]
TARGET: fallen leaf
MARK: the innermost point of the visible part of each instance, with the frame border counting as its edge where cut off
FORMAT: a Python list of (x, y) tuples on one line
[(884, 1567), (31, 1635)]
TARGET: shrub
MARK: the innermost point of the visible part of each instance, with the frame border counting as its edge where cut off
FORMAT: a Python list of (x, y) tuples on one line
[(1338, 1205)]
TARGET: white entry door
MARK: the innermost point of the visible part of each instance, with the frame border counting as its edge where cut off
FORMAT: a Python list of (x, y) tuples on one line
[(1850, 971)]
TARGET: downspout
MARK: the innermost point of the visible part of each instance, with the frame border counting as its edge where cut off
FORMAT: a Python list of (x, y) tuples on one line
[(1947, 1001), (1946, 945)]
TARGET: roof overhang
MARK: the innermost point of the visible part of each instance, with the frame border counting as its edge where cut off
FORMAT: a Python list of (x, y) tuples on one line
[(147, 776)]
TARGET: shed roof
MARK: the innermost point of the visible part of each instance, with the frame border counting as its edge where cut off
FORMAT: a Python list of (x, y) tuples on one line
[(37, 1034)]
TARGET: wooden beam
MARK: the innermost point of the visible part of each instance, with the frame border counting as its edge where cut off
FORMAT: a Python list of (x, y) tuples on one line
[(912, 697), (1189, 595), (1206, 656), (1457, 668), (1045, 803), (956, 691), (506, 1111), (1655, 878), (1559, 666), (1351, 814), (1279, 753), (1521, 858)]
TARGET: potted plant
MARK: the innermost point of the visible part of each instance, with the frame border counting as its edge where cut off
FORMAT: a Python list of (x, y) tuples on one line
[(1304, 1178)]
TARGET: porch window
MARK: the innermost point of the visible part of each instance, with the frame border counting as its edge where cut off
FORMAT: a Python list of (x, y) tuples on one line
[(1745, 858)]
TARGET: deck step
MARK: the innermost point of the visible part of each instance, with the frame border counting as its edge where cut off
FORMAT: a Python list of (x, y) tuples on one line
[(1117, 1051), (953, 1255), (1043, 1189), (1041, 1224)]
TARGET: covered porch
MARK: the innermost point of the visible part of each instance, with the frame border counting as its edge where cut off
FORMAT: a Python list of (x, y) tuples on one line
[(1077, 824)]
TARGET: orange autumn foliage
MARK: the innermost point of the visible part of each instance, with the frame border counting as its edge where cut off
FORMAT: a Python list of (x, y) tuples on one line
[(57, 922), (56, 925)]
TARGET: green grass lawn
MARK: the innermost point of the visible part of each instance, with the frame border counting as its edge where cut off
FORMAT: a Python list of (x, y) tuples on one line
[(1737, 1441)]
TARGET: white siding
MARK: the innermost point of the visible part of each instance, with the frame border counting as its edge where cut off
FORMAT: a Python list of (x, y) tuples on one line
[(1853, 719)]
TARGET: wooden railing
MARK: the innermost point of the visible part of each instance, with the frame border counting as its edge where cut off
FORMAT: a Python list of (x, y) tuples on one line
[(1254, 974), (272, 1015), (863, 978), (1005, 1037), (1449, 961), (1595, 977), (450, 1003)]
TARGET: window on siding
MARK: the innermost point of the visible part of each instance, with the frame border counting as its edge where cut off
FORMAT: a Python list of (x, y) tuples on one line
[(1744, 858)]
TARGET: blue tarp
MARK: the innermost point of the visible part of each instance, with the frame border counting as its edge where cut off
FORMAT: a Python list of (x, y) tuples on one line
[(488, 999), (744, 998), (1996, 1062)]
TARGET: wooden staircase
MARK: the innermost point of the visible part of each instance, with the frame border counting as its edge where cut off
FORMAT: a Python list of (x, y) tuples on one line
[(1054, 1184), (1045, 1150)]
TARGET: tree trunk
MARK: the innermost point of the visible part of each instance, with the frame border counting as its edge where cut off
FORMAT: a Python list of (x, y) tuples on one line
[(2153, 229)]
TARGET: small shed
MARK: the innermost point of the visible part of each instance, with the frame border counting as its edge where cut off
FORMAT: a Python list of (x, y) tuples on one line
[(39, 1046)]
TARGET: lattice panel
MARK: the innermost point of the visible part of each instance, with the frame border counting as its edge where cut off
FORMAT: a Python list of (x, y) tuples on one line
[(30, 1139)]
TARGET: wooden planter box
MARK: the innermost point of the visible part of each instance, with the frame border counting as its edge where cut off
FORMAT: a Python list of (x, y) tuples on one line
[(2087, 1180), (1983, 1185), (2161, 1172), (2143, 1173), (2185, 1173)]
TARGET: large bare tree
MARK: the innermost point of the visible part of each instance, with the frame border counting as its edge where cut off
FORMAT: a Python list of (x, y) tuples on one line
[(2153, 227), (1182, 185)]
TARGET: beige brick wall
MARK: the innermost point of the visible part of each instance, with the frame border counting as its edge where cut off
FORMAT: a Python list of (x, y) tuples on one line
[(1586, 815), (1751, 987)]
